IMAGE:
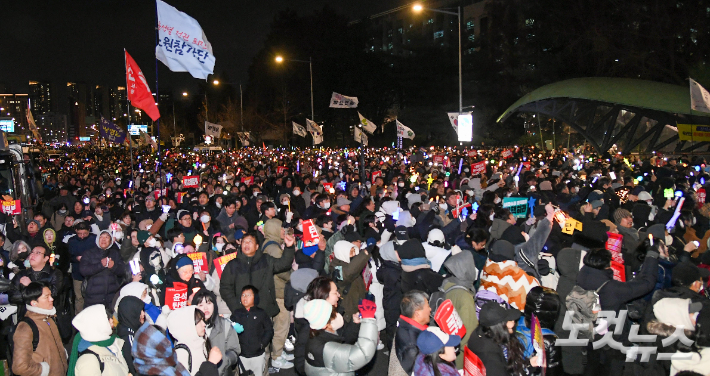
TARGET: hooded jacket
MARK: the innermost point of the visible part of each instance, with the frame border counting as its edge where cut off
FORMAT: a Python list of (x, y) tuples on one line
[(50, 353), (259, 271), (499, 226), (181, 324), (272, 246), (104, 282), (129, 314), (347, 275), (464, 275), (328, 355)]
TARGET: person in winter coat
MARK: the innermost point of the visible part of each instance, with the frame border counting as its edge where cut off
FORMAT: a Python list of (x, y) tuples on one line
[(219, 330), (79, 244), (414, 319), (527, 254), (229, 220), (436, 351), (182, 270), (104, 269), (544, 303), (327, 352), (390, 276), (437, 251), (187, 325), (416, 271), (568, 261), (130, 316), (96, 347), (459, 289), (39, 270), (699, 360), (49, 359), (252, 266), (154, 355), (495, 342), (57, 248), (505, 277), (346, 270), (255, 330)]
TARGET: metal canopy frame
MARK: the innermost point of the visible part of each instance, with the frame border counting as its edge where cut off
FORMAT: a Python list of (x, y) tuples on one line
[(605, 124)]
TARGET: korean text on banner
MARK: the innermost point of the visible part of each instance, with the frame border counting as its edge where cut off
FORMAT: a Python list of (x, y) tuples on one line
[(404, 131), (176, 296), (342, 101), (478, 168), (310, 233), (190, 181), (111, 132), (138, 92), (449, 320), (212, 129), (182, 45), (517, 206), (472, 364), (221, 262), (281, 169), (693, 132), (11, 207), (199, 260)]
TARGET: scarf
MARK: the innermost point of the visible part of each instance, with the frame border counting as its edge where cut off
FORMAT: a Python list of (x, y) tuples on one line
[(153, 353), (48, 312), (75, 350), (410, 265)]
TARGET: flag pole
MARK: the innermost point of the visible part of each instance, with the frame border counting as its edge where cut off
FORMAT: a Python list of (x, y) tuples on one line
[(128, 121), (159, 167)]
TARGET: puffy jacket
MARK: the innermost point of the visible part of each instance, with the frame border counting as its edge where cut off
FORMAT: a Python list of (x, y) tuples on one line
[(104, 282), (77, 247), (52, 277), (180, 324), (257, 271), (50, 351), (258, 330), (223, 336), (111, 356), (329, 356), (425, 280), (405, 344)]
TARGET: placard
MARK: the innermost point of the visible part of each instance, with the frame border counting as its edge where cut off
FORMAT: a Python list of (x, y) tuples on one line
[(472, 364), (449, 320), (518, 206), (478, 168), (179, 197), (221, 262), (701, 197), (12, 207), (367, 276), (613, 245), (472, 153), (199, 260), (327, 187), (619, 271), (280, 170), (310, 233), (507, 153), (176, 296), (375, 175), (160, 192), (248, 180), (438, 159), (190, 181), (571, 224)]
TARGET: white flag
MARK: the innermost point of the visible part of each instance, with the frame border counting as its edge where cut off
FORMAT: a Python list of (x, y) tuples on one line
[(404, 132), (182, 44), (315, 130), (341, 101), (212, 129), (699, 97), (298, 129), (454, 119), (360, 136), (244, 138), (366, 124)]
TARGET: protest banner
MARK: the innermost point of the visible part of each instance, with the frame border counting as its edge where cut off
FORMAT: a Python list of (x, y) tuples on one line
[(221, 262), (517, 206), (472, 364), (11, 207), (176, 296), (478, 168), (449, 320), (199, 260), (190, 181)]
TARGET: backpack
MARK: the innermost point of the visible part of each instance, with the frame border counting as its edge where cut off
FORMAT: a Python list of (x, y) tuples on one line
[(87, 351), (484, 296), (35, 331), (439, 296), (581, 303), (189, 355)]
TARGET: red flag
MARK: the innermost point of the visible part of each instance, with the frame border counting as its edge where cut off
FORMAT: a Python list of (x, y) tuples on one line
[(138, 91)]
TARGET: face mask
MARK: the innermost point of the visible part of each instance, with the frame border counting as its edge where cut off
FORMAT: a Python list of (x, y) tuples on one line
[(326, 205), (27, 264), (299, 227), (147, 300), (256, 194), (400, 185), (669, 239), (469, 193), (62, 212), (443, 207), (296, 193), (491, 216), (205, 218), (285, 202), (108, 192), (218, 247), (497, 200), (337, 322), (465, 170), (152, 243), (218, 204), (694, 221)]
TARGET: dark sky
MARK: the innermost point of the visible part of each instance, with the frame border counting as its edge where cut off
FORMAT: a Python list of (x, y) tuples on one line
[(83, 40)]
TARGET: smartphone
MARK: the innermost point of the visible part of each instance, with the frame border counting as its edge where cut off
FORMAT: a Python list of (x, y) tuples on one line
[(166, 208), (135, 267), (697, 243)]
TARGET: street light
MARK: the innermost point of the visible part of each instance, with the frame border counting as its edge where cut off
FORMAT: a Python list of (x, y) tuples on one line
[(279, 59), (241, 99), (216, 82), (419, 8), (184, 93)]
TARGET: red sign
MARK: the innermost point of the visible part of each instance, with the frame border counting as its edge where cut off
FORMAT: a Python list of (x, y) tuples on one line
[(11, 207), (619, 271), (526, 165), (375, 175), (449, 320), (280, 170), (310, 234), (179, 197), (248, 180), (176, 296), (138, 91), (221, 262), (438, 159), (160, 192), (478, 168), (701, 197), (472, 364), (367, 277), (472, 153), (199, 260), (613, 245), (190, 181), (327, 187), (507, 153)]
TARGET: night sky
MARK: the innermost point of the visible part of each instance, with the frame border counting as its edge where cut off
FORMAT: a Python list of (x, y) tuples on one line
[(83, 40)]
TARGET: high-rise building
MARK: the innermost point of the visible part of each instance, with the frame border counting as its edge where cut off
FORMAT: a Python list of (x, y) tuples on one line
[(41, 97), (15, 106), (120, 103), (76, 127), (52, 127)]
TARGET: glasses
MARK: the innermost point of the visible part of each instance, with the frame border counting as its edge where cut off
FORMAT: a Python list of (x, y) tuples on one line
[(39, 253), (246, 295)]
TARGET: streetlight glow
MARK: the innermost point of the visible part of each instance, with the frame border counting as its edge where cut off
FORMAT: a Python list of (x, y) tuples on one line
[(417, 8), (215, 82), (184, 93), (279, 59)]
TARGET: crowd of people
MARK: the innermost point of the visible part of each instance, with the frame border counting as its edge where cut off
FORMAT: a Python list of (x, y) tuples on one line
[(516, 261)]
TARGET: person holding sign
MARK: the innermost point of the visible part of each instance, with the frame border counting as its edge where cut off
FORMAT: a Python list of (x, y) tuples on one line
[(436, 350), (181, 270)]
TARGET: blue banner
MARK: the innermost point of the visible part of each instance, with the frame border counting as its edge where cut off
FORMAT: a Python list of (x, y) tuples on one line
[(111, 132)]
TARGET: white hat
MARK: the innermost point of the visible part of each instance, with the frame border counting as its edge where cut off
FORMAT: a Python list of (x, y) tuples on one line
[(435, 235), (92, 323)]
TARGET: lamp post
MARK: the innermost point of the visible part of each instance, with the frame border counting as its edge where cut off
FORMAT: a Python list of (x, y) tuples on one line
[(419, 8), (279, 59), (241, 100)]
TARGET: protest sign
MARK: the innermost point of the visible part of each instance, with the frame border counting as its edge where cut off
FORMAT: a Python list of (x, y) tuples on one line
[(517, 206), (221, 262), (310, 234), (449, 320), (199, 260), (478, 168), (190, 181), (12, 207), (176, 296)]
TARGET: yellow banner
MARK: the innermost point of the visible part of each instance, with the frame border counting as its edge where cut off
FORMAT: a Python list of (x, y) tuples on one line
[(693, 132)]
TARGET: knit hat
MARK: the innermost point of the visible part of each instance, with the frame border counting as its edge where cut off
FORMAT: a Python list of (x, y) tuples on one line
[(411, 249), (342, 201), (687, 273), (92, 323), (183, 261), (658, 231), (142, 237), (434, 339), (342, 248), (620, 214), (317, 312), (546, 186), (503, 249)]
